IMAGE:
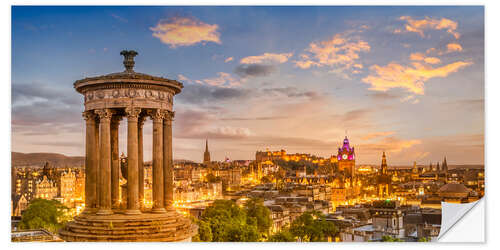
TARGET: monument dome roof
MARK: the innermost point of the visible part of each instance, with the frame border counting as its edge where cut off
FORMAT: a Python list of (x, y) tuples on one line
[(454, 188), (128, 76)]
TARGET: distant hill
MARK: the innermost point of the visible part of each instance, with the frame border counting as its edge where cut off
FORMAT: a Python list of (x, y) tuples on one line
[(39, 159)]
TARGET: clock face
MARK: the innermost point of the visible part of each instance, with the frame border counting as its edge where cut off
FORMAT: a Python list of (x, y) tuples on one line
[(344, 156)]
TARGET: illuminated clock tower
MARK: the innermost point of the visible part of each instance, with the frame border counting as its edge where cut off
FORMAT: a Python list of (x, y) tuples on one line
[(346, 158)]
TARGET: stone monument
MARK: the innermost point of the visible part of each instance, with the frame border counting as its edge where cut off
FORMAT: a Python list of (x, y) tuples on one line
[(109, 99)]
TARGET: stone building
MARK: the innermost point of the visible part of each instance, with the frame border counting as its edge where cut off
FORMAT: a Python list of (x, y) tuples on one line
[(67, 187), (45, 189)]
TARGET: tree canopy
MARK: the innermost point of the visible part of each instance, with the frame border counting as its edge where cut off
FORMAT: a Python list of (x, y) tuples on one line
[(282, 236), (259, 215), (387, 238), (313, 226), (226, 221), (46, 214)]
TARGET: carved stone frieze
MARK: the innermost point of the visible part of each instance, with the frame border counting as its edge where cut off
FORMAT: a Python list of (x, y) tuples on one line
[(149, 94)]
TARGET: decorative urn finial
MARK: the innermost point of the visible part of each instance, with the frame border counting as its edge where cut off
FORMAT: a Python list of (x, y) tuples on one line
[(128, 59)]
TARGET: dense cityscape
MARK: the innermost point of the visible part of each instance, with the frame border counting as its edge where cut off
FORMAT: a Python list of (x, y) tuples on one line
[(254, 148), (365, 202)]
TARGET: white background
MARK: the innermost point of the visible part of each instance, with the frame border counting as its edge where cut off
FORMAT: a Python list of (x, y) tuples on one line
[(468, 227)]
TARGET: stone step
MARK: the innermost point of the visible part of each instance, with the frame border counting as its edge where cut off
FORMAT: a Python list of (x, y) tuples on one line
[(170, 226), (172, 236), (125, 230), (128, 224)]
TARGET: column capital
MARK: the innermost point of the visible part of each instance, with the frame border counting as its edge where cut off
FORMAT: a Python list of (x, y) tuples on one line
[(157, 115), (104, 114), (168, 116), (89, 116), (132, 113)]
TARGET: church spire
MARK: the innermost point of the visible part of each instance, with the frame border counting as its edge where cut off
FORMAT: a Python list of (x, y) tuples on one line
[(445, 165), (383, 166), (206, 155)]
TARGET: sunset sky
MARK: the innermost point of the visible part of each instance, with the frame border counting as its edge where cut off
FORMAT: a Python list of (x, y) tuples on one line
[(407, 80)]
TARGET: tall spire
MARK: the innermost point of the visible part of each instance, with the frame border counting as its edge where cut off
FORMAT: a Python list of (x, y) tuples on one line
[(206, 155), (383, 166), (445, 165)]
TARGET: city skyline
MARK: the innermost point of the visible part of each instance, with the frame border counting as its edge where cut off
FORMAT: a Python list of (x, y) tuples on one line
[(291, 78)]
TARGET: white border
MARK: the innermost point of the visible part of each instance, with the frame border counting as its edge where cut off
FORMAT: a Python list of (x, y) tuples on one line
[(492, 138)]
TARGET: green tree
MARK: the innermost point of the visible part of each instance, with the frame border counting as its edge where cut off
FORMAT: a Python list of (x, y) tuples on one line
[(387, 238), (46, 214), (227, 222), (204, 232), (312, 226), (259, 215), (282, 236), (423, 239)]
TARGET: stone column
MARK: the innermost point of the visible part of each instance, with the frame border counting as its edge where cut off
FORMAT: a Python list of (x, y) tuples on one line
[(97, 161), (105, 162), (90, 164), (168, 166), (140, 157), (158, 204), (132, 161), (115, 163)]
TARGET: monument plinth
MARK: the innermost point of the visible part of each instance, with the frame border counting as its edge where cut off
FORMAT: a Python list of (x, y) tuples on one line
[(109, 99)]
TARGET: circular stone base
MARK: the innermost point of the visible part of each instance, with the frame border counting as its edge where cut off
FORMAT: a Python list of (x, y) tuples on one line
[(169, 226)]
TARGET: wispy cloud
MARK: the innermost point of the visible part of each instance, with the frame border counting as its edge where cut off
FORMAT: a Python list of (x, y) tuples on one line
[(420, 25), (194, 93), (341, 53), (389, 144), (453, 47), (422, 57), (195, 124), (410, 77), (221, 80), (185, 31), (377, 135), (267, 58), (450, 47), (228, 59), (119, 18), (253, 70)]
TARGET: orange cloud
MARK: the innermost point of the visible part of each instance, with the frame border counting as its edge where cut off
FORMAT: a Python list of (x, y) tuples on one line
[(432, 60), (222, 80), (417, 57), (411, 78), (452, 47), (228, 59), (422, 57), (267, 58), (185, 31), (340, 51), (390, 144), (419, 25)]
